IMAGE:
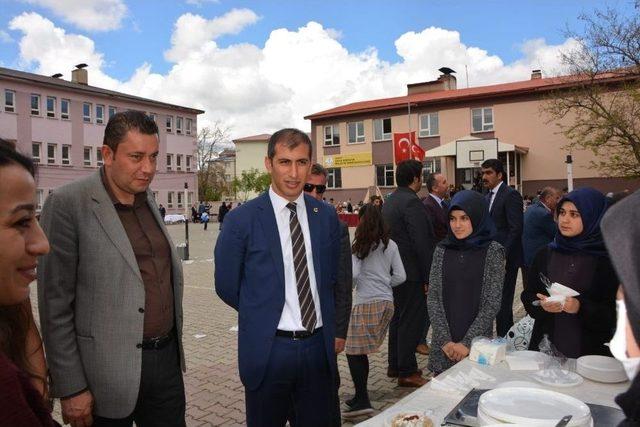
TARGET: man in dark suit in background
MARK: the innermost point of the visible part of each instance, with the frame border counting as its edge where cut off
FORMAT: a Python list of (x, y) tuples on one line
[(315, 187), (412, 231), (506, 210), (436, 206), (539, 226), (276, 263)]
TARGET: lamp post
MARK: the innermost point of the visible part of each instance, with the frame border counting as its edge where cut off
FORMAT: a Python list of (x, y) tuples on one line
[(186, 221), (569, 163)]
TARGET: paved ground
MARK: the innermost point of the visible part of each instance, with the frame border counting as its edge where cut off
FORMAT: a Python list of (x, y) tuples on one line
[(215, 395)]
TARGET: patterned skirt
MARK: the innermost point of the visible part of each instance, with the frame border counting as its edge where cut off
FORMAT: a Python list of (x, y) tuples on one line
[(368, 326)]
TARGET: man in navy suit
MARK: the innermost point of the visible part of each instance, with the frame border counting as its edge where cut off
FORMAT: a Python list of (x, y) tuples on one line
[(506, 210), (539, 226), (276, 263)]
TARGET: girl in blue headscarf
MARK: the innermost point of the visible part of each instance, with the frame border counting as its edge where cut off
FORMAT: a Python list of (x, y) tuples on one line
[(577, 258), (465, 284)]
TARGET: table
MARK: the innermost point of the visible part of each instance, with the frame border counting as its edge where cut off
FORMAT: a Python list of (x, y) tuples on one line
[(350, 219), (440, 404), (172, 219)]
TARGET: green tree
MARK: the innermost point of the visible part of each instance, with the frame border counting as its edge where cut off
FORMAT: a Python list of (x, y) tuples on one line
[(600, 108), (251, 181), (211, 180)]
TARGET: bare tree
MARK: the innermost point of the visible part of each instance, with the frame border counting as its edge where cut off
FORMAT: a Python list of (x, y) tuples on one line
[(209, 144), (599, 109)]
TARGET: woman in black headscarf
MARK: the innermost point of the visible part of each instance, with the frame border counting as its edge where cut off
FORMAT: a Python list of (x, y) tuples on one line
[(621, 231), (465, 284), (578, 259)]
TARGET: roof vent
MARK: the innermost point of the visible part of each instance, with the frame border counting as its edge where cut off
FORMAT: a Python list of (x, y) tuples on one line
[(57, 75), (536, 74), (446, 71), (80, 75)]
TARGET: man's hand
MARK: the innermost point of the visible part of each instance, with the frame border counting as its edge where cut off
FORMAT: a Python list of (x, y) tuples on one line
[(571, 305), (339, 345), (549, 306), (460, 351), (77, 410)]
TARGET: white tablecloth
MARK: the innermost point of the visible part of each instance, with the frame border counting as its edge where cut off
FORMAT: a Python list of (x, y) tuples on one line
[(440, 404), (172, 219)]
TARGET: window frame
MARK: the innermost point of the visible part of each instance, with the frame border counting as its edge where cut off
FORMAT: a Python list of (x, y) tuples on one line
[(188, 163), (100, 117), (189, 126), (35, 111), (88, 162), (169, 162), (99, 159), (65, 161), (334, 139), (179, 199), (170, 199), (52, 160), (63, 115), (168, 124), (86, 106), (112, 111), (383, 136), (359, 138), (482, 118), (388, 169), (52, 113), (39, 199), (178, 162), (334, 176), (429, 129), (38, 158), (10, 108), (179, 125)]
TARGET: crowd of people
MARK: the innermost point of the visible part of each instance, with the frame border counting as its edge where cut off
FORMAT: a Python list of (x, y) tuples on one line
[(110, 285)]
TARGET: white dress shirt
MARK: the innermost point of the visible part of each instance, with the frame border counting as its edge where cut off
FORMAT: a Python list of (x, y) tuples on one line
[(437, 199), (291, 319), (493, 196)]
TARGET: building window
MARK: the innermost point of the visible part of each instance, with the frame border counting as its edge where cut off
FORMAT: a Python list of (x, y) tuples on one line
[(169, 124), (112, 111), (51, 153), (64, 108), (99, 114), (384, 176), (35, 104), (179, 199), (188, 163), (334, 178), (66, 154), (86, 112), (9, 101), (356, 132), (430, 165), (155, 195), (99, 161), (169, 161), (178, 162), (482, 119), (190, 198), (36, 148), (178, 124), (51, 106), (381, 130), (332, 135), (429, 125), (39, 199), (153, 117), (170, 199), (87, 156), (189, 126)]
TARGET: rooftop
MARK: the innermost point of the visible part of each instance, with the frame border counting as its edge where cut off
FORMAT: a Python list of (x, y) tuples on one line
[(260, 137), (77, 87)]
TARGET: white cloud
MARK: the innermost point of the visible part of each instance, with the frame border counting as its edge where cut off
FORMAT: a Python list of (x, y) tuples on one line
[(92, 15), (297, 72), (5, 37)]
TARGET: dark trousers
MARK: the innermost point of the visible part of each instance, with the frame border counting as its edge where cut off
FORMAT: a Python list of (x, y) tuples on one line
[(205, 224), (504, 319), (427, 325), (406, 327), (337, 413), (297, 376), (161, 400)]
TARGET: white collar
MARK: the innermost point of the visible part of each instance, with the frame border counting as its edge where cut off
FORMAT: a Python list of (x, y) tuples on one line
[(280, 203), (496, 188), (438, 199)]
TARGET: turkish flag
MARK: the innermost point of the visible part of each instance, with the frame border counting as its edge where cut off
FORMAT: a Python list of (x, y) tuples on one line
[(417, 153), (402, 143)]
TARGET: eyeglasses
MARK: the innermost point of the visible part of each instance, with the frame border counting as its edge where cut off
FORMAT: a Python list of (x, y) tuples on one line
[(308, 188)]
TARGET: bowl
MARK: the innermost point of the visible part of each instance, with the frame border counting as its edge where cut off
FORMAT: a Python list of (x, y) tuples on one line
[(601, 369)]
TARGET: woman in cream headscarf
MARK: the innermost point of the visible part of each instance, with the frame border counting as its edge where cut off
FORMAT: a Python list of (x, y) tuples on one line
[(621, 231)]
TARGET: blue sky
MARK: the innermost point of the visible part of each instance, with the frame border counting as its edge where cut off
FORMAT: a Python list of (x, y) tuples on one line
[(374, 44)]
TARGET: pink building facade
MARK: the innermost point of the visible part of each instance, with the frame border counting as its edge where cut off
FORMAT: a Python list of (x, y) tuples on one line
[(61, 125)]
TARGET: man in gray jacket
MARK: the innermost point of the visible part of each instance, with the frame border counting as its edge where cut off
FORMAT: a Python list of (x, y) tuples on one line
[(412, 231), (110, 290)]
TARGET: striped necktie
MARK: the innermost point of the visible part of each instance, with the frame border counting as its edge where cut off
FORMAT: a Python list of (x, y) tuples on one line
[(307, 307)]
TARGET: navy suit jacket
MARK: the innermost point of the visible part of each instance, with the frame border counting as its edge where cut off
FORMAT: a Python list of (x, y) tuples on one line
[(439, 217), (539, 230), (507, 215), (249, 276)]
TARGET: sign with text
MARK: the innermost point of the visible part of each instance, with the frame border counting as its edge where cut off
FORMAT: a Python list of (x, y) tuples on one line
[(348, 160)]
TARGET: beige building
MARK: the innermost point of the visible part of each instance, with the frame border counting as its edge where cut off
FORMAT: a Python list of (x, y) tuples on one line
[(458, 128), (250, 154)]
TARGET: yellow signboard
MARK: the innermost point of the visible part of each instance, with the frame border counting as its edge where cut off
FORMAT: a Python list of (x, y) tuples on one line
[(348, 160)]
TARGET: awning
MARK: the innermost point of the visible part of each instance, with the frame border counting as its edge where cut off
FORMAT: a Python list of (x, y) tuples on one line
[(449, 149)]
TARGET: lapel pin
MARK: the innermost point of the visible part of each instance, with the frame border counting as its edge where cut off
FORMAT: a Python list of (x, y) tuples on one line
[(315, 210)]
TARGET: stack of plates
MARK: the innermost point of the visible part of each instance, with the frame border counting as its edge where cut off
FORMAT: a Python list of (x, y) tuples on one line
[(601, 368), (531, 407)]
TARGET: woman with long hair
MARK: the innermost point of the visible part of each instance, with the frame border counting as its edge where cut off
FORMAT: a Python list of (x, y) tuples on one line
[(465, 283), (377, 267), (22, 366), (577, 258)]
